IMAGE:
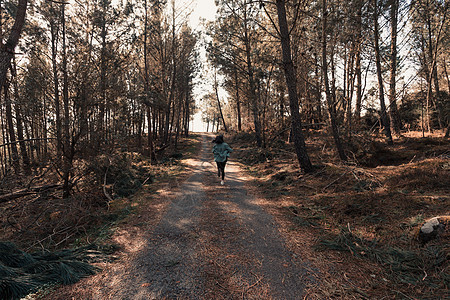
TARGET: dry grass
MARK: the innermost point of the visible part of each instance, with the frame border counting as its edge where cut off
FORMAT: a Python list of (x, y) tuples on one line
[(370, 209), (45, 221)]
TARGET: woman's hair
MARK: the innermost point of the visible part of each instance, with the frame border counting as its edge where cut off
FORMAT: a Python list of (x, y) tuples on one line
[(218, 139)]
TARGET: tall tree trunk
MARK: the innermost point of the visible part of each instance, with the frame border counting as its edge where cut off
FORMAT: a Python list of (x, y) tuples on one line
[(155, 115), (281, 91), (139, 127), (19, 122), (393, 111), (384, 118), (446, 76), (54, 43), (30, 148), (216, 89), (150, 135), (11, 131), (67, 147), (238, 101), (432, 58), (345, 83), (147, 88), (5, 140), (289, 72), (174, 74), (188, 114), (334, 98), (7, 49), (426, 118), (172, 120), (251, 79), (328, 94), (318, 93), (358, 60), (178, 125), (349, 88), (101, 128), (447, 120), (45, 129)]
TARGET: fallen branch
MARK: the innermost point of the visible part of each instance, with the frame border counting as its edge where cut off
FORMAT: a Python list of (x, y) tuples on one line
[(334, 181), (38, 176), (145, 181), (29, 191)]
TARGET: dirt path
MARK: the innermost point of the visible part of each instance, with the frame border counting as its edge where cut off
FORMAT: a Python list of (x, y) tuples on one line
[(213, 242)]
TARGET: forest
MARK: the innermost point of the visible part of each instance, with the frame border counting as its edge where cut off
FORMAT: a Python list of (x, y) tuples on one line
[(338, 112)]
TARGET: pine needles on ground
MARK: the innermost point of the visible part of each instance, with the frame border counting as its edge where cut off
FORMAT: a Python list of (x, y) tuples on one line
[(426, 265), (22, 273)]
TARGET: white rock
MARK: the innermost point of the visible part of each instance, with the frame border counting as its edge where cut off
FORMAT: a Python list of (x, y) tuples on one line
[(428, 227)]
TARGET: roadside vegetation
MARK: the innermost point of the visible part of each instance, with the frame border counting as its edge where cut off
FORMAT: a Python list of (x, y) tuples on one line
[(47, 240), (358, 223)]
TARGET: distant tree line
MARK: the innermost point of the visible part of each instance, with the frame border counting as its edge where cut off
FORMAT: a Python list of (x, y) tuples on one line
[(79, 77), (353, 66)]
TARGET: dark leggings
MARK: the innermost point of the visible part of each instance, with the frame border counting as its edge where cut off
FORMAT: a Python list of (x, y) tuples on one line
[(221, 167)]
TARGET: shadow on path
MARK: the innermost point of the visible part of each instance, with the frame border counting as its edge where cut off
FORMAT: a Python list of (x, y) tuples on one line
[(214, 242)]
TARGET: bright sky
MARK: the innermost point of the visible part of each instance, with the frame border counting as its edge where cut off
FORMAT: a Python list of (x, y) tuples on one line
[(202, 9), (205, 9)]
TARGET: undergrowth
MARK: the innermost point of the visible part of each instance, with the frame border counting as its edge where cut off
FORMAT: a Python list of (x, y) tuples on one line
[(424, 266), (83, 224), (22, 273), (384, 193)]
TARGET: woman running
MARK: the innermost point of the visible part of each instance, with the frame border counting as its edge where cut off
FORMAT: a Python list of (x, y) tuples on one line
[(221, 152)]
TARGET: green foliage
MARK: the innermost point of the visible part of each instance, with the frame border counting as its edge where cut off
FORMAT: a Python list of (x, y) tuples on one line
[(22, 273)]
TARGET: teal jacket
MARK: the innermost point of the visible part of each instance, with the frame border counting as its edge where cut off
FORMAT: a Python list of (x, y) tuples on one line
[(221, 152)]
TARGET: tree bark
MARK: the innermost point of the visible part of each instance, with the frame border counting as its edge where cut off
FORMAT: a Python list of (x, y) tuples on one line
[(147, 88), (174, 74), (19, 122), (11, 131), (54, 43), (384, 118), (67, 147), (328, 94), (289, 72), (358, 60), (432, 57), (238, 101), (151, 147), (101, 128), (7, 49), (216, 89), (393, 110), (446, 75), (28, 191), (350, 88), (251, 79), (188, 114)]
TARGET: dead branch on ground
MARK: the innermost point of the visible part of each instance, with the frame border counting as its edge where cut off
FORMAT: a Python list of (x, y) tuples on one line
[(29, 191)]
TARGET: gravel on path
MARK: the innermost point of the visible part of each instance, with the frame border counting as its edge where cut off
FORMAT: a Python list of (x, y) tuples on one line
[(213, 242)]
